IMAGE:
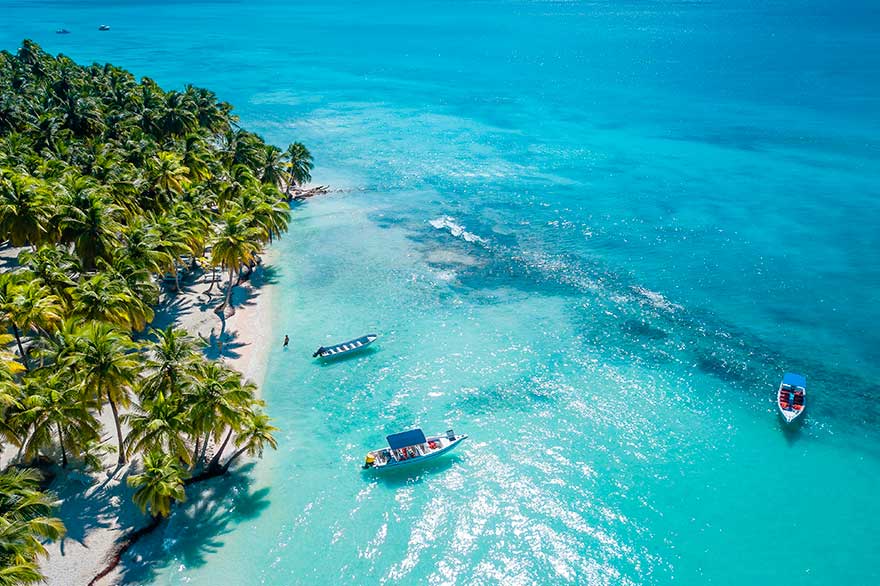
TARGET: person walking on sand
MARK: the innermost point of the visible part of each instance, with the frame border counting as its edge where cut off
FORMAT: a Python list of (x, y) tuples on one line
[(286, 340)]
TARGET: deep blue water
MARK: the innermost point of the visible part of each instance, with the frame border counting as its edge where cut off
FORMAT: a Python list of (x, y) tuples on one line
[(593, 235)]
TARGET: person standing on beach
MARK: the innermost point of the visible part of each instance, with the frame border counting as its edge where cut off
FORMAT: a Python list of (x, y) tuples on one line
[(286, 340)]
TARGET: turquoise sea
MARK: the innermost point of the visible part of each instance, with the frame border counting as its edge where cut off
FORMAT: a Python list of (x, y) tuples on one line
[(592, 235)]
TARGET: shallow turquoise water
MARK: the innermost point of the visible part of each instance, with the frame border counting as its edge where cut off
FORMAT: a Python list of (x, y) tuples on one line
[(592, 235)]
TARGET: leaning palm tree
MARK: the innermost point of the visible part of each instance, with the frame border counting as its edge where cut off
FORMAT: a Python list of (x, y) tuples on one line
[(234, 424), (25, 525), (236, 245), (254, 435), (299, 165), (215, 403), (159, 485), (107, 368)]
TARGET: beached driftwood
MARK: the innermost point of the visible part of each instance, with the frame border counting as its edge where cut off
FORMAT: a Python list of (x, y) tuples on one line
[(300, 194)]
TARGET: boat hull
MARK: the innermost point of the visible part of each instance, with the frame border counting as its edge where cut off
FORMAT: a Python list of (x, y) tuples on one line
[(391, 463), (346, 348), (786, 407)]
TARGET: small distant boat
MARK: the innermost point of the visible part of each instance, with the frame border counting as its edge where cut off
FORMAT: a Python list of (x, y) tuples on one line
[(792, 396), (344, 348), (412, 447), (104, 27), (62, 31)]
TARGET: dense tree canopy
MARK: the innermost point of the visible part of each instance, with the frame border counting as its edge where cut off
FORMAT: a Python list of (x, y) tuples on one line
[(112, 186)]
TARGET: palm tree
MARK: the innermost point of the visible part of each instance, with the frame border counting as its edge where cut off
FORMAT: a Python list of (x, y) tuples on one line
[(253, 437), (54, 266), (142, 246), (234, 424), (236, 245), (107, 369), (167, 176), (24, 208), (178, 116), (54, 409), (299, 165), (272, 172), (26, 303), (171, 363), (91, 223), (160, 484), (215, 402), (25, 524), (107, 297), (159, 424)]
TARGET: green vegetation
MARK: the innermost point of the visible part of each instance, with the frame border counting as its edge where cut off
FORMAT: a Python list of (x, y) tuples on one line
[(113, 185)]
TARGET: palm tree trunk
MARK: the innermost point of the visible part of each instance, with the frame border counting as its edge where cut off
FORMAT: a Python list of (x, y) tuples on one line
[(229, 289), (232, 458), (121, 459), (195, 458), (215, 461), (61, 441), (20, 347)]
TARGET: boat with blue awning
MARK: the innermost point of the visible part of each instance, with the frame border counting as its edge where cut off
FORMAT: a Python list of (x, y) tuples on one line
[(412, 447), (792, 396), (345, 348)]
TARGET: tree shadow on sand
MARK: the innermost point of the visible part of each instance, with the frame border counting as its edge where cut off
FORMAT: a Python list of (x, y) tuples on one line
[(196, 528), (88, 507)]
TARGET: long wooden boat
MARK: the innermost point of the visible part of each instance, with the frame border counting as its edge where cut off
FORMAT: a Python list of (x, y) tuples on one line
[(412, 447), (792, 396), (344, 348)]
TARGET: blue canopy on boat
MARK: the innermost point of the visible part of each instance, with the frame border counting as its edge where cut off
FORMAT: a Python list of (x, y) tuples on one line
[(406, 438), (794, 380)]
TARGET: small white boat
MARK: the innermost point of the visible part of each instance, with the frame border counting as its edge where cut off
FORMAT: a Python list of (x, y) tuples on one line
[(792, 396), (412, 447), (345, 348), (104, 27)]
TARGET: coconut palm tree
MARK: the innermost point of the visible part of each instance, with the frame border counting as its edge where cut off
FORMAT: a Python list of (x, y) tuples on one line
[(91, 223), (106, 296), (107, 368), (159, 424), (25, 303), (54, 266), (272, 172), (234, 424), (167, 176), (235, 245), (53, 409), (171, 364), (253, 436), (142, 246), (159, 485), (299, 165), (25, 524), (215, 402), (24, 208)]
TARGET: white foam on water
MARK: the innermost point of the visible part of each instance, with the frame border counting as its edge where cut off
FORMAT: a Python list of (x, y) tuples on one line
[(449, 223)]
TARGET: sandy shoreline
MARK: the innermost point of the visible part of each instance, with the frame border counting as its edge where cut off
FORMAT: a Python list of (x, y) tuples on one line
[(97, 509)]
